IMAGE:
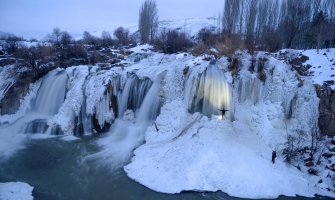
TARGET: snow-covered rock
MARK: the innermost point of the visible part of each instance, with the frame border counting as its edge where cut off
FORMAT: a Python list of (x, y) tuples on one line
[(322, 65)]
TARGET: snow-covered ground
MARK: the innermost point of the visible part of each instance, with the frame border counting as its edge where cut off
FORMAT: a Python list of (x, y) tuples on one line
[(16, 191), (212, 155), (184, 151), (191, 26), (323, 65)]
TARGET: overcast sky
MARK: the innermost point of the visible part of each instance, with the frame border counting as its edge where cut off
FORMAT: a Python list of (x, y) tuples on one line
[(41, 16)]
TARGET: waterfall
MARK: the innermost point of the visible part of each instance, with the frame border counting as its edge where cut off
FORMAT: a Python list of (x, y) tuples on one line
[(208, 92), (51, 94), (133, 93), (49, 99), (124, 136), (250, 88), (150, 107)]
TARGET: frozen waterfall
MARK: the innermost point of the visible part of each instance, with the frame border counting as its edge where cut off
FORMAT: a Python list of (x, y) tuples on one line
[(208, 92)]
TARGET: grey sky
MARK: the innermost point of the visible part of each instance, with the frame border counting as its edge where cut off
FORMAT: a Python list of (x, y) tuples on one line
[(40, 16)]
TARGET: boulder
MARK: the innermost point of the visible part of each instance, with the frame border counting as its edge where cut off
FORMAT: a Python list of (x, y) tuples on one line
[(309, 164), (326, 119), (312, 171), (36, 126)]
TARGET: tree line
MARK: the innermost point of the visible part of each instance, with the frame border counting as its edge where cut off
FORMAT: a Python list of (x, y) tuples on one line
[(253, 24), (272, 24), (243, 24)]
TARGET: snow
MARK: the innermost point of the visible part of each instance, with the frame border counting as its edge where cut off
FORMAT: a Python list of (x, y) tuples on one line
[(213, 155), (181, 151), (73, 101), (193, 152), (191, 26), (7, 79), (142, 48), (10, 143), (16, 191), (25, 104), (323, 65)]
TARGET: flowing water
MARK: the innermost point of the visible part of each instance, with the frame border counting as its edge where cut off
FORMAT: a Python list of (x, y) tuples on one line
[(58, 170)]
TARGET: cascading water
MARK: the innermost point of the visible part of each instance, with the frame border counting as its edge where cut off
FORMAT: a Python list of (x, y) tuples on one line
[(49, 99), (150, 107), (209, 92), (133, 93), (51, 94), (124, 135)]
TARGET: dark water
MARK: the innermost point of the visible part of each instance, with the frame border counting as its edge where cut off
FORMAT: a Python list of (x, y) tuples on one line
[(58, 171)]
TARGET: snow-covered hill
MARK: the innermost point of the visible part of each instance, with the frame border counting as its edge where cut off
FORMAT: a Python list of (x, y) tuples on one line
[(191, 26), (322, 64), (318, 64)]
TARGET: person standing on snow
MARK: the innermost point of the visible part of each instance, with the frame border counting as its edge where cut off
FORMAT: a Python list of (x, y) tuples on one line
[(274, 155)]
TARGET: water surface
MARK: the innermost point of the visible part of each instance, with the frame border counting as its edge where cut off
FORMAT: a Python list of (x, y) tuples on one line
[(59, 170)]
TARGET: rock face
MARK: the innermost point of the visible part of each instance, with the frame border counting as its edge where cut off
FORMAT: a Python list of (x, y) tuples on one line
[(11, 101), (326, 110)]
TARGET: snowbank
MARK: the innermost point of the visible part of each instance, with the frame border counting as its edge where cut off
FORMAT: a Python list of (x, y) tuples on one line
[(323, 65), (210, 155), (73, 101), (16, 191), (186, 152)]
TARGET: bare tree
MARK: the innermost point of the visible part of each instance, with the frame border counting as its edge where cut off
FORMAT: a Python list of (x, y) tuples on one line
[(12, 43), (241, 16), (320, 29), (55, 36), (148, 21), (263, 15), (65, 39), (106, 39), (250, 23), (122, 35), (90, 39), (230, 16), (297, 15)]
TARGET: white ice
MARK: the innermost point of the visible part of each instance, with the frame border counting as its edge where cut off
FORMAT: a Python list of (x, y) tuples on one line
[(16, 191)]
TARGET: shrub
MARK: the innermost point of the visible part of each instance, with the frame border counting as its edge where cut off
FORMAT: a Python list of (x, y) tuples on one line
[(172, 41), (122, 36), (208, 37), (12, 43)]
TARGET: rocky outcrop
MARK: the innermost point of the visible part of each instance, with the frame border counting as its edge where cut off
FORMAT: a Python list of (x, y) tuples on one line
[(37, 126), (326, 110), (11, 100), (113, 106)]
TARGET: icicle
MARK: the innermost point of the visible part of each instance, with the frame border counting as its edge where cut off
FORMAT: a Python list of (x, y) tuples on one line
[(209, 93), (250, 88)]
